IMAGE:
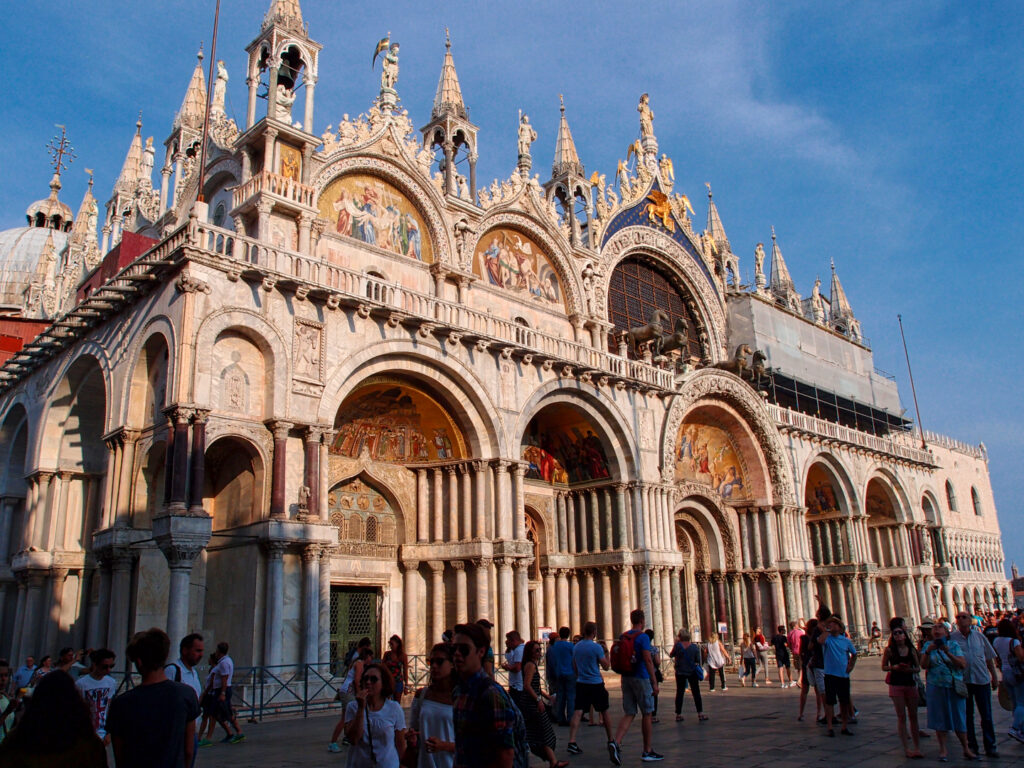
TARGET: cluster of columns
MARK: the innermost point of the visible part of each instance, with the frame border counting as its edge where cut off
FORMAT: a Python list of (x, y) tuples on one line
[(316, 601)]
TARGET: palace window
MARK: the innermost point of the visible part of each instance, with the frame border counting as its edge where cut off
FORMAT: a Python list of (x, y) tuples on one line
[(950, 497), (636, 290), (976, 499)]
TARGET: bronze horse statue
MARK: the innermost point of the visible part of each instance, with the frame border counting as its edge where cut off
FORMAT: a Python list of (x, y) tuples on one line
[(652, 332), (679, 339), (757, 366), (739, 363)]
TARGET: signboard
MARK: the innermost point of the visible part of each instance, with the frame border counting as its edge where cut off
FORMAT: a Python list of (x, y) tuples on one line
[(723, 629)]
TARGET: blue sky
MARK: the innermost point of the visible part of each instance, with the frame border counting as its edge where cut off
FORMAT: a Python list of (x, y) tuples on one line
[(884, 136)]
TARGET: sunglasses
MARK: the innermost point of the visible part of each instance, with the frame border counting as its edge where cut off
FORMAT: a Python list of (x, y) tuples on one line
[(371, 680), (439, 660), (108, 665), (463, 649)]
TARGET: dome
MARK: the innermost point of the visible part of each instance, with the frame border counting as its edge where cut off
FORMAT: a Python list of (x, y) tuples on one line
[(50, 212), (21, 251)]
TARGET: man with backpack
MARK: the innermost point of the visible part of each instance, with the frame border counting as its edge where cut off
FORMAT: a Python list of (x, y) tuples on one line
[(489, 729), (631, 658), (183, 670)]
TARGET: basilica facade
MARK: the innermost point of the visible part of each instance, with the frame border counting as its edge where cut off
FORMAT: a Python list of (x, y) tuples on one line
[(313, 386)]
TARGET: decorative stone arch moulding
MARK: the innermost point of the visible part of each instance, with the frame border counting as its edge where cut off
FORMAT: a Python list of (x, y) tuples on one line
[(424, 196), (905, 508), (224, 164), (709, 384), (555, 249), (264, 335), (594, 405), (47, 390), (644, 241), (457, 383), (843, 474), (285, 43), (721, 515), (160, 325), (393, 481), (260, 439), (926, 489), (700, 555)]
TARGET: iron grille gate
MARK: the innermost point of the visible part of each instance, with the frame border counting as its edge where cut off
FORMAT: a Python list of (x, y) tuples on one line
[(355, 613)]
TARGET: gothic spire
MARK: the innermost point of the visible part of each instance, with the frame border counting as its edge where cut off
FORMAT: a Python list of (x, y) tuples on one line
[(286, 14), (715, 228), (83, 231), (567, 161), (193, 107), (129, 176), (781, 284), (841, 308), (449, 95)]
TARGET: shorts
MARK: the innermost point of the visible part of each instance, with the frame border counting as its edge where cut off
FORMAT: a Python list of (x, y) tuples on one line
[(798, 662), (837, 688), (905, 693), (224, 711), (637, 695), (209, 704), (819, 679), (591, 695), (782, 662)]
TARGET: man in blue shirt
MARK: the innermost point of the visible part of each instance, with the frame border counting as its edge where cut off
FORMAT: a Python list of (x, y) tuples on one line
[(638, 692), (840, 657), (24, 674), (588, 659), (560, 657)]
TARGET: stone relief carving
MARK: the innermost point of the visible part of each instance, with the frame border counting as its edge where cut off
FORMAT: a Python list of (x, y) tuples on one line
[(308, 355)]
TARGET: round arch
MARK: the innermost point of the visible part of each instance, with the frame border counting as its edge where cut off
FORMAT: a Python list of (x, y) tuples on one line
[(14, 433), (893, 489), (647, 244), (709, 387), (255, 328), (705, 517), (78, 406), (424, 197), (147, 387), (616, 438), (460, 390), (555, 250), (233, 482), (848, 498)]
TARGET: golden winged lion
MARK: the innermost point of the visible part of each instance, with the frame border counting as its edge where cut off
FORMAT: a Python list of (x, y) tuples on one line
[(660, 209)]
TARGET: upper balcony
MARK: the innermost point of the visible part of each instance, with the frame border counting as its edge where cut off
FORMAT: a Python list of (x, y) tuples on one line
[(281, 189), (431, 314), (897, 445)]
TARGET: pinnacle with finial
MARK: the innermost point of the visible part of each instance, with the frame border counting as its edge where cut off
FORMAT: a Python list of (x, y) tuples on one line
[(567, 160), (448, 98), (61, 151)]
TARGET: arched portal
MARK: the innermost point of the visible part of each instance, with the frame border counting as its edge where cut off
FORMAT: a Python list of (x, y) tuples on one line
[(828, 509), (884, 531), (149, 383), (233, 479)]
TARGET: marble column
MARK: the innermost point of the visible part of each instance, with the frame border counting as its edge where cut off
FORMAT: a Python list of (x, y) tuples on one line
[(412, 629), (755, 521), (324, 609), (720, 607), (180, 559), (757, 615), (890, 603), (744, 519), (422, 508), (669, 627), (120, 593), (453, 503), (590, 613), (550, 600), (482, 571), (274, 609), (570, 518), (704, 605), (574, 602), (606, 624), (857, 616), (947, 598), (277, 481), (522, 578), (198, 478), (179, 469), (481, 477), (922, 596), (18, 628), (466, 487), (311, 603), (562, 523), (30, 640), (675, 594), (655, 619), (519, 504), (51, 617), (621, 523), (461, 591), (505, 621), (437, 612), (595, 522), (562, 590), (791, 598), (437, 507), (503, 505), (624, 573)]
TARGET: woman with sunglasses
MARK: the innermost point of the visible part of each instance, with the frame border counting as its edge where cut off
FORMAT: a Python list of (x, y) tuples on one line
[(947, 711), (539, 733), (374, 722), (901, 663), (431, 719)]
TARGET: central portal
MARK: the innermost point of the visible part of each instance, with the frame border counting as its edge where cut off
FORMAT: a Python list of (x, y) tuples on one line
[(355, 613)]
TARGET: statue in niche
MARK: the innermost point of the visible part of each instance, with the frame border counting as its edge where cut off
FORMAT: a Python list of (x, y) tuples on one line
[(285, 99), (646, 117), (303, 498), (307, 351), (146, 167), (526, 135)]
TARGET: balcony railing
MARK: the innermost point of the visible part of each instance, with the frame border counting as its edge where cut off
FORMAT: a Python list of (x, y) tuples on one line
[(898, 446), (356, 287), (279, 186), (944, 441)]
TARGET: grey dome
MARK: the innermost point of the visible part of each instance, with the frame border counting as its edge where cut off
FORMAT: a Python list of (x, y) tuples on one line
[(21, 250)]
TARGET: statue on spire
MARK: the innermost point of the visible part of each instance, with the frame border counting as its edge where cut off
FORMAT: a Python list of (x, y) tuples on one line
[(389, 70), (526, 138), (646, 117)]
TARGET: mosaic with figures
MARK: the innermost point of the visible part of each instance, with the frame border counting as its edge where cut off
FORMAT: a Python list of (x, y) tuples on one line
[(510, 260), (375, 212), (562, 446), (820, 496), (705, 454), (396, 423), (361, 514)]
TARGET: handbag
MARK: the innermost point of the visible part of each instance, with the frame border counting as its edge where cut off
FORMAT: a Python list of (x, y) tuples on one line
[(922, 693), (959, 687), (699, 672)]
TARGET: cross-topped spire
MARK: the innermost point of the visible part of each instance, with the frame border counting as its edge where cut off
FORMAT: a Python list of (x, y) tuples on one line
[(193, 106), (567, 161), (841, 308), (715, 228), (781, 283), (448, 98), (61, 152)]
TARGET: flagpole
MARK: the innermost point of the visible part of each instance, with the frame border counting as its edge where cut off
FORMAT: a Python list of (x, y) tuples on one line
[(920, 426), (209, 96)]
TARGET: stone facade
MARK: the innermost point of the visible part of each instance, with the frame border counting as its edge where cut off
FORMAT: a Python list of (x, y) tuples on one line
[(352, 394)]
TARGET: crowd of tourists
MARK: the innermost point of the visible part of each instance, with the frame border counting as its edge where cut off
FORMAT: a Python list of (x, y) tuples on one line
[(161, 720)]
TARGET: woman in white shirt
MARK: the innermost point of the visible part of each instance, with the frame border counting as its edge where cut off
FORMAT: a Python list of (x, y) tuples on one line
[(431, 718), (374, 722)]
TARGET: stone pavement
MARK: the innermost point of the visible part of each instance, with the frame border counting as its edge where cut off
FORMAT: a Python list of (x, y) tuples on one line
[(747, 728)]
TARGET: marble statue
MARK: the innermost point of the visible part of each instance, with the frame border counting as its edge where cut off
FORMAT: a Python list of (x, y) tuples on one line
[(817, 305), (220, 85), (526, 135), (759, 278), (285, 99), (389, 72), (646, 117)]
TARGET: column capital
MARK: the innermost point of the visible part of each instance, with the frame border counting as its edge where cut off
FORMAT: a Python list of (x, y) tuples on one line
[(457, 565), (522, 563), (482, 562), (450, 470), (501, 465), (312, 433), (436, 566), (280, 429), (178, 414), (718, 577), (479, 465), (772, 576), (181, 556), (200, 415), (59, 573), (311, 552), (703, 577), (620, 487), (734, 578), (275, 549), (504, 561), (519, 469)]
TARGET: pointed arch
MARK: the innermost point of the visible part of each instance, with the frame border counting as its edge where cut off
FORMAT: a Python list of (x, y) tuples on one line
[(394, 520), (715, 527)]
